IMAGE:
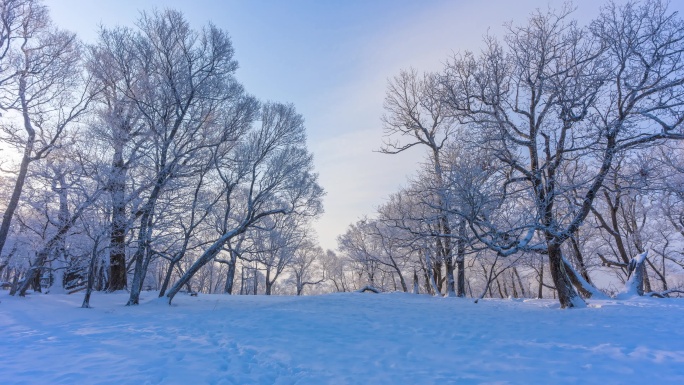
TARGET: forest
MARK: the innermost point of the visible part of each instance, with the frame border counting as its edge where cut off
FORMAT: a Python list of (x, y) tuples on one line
[(551, 166)]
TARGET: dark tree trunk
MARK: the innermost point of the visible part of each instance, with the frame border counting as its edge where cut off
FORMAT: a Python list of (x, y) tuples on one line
[(117, 243), (451, 284), (428, 287), (540, 289), (460, 287), (167, 278), (498, 285), (437, 274), (230, 278), (577, 251), (91, 277), (268, 281), (567, 295), (460, 259), (520, 283), (15, 283), (416, 286)]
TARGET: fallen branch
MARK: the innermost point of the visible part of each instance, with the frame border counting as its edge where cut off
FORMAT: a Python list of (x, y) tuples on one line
[(369, 288), (663, 294)]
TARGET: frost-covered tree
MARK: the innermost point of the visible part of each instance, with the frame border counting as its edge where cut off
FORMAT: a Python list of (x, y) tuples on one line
[(268, 172), (416, 114), (42, 91), (553, 93)]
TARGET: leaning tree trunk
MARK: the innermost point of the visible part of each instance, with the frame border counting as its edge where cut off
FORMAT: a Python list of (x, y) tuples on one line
[(167, 278), (91, 276), (23, 168), (141, 257)]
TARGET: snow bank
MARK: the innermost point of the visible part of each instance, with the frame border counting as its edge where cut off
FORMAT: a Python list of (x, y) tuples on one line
[(337, 339)]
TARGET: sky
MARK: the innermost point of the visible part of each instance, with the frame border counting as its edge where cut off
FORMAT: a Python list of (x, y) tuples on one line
[(332, 59)]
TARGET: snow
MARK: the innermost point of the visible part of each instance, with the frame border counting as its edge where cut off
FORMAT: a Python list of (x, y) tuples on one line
[(631, 288), (352, 338)]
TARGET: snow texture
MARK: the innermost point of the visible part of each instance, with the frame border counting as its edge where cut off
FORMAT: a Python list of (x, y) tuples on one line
[(353, 338)]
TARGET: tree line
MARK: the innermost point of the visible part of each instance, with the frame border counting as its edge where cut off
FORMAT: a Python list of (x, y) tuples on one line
[(140, 162), (553, 158)]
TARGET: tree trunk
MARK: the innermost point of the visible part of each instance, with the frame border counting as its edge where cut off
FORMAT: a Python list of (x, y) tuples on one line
[(268, 281), (91, 277), (416, 289), (460, 259), (635, 282), (230, 277), (540, 288), (15, 283), (141, 252), (33, 272), (498, 285), (167, 278), (402, 281), (515, 290), (522, 288), (23, 166), (451, 282), (207, 256), (437, 274), (567, 295), (117, 242), (580, 259)]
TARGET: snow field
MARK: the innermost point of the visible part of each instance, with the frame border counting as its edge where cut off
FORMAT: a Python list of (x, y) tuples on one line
[(347, 338)]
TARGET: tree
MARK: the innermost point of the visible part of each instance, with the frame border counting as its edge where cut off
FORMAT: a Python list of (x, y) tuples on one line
[(41, 89), (275, 242), (119, 126), (181, 83), (555, 94), (266, 173), (417, 115), (305, 265)]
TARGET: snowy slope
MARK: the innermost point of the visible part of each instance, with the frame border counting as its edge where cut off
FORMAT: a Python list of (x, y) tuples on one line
[(337, 339)]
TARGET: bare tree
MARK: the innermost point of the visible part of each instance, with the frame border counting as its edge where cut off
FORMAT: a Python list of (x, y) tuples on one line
[(267, 173), (556, 93), (305, 266), (41, 89)]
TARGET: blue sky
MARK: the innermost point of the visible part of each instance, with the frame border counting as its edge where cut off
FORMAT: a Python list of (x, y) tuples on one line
[(332, 59)]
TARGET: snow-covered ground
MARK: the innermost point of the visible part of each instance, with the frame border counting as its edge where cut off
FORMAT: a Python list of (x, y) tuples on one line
[(337, 339)]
